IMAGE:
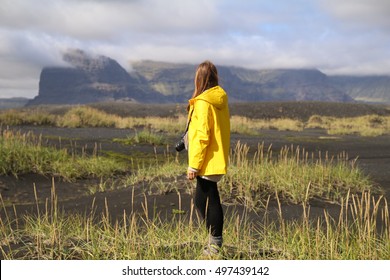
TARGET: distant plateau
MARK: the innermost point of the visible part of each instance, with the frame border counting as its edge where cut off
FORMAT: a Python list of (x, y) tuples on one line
[(97, 78)]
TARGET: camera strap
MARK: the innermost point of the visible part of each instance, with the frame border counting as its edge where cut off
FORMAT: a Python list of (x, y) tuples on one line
[(188, 122)]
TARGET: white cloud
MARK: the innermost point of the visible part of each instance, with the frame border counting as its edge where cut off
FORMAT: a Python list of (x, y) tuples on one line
[(14, 88), (349, 36), (103, 20), (360, 14)]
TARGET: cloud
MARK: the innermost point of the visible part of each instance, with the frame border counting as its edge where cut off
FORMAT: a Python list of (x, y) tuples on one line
[(360, 35), (360, 14), (104, 20), (349, 36)]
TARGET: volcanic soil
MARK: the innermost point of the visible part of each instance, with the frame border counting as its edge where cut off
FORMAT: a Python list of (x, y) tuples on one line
[(372, 153)]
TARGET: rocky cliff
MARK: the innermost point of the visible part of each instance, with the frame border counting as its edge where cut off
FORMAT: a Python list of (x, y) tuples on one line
[(374, 89), (175, 81), (90, 79)]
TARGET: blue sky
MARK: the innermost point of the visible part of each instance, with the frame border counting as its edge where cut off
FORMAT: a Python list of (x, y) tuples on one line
[(334, 36)]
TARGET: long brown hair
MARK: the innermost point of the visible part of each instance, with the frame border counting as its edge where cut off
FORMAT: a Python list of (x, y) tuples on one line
[(206, 77)]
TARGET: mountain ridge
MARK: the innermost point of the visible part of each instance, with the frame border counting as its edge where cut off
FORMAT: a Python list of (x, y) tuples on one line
[(97, 78), (369, 88)]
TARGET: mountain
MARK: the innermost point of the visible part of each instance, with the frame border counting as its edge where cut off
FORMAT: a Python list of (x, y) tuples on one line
[(15, 102), (374, 89), (280, 85), (175, 81), (91, 79)]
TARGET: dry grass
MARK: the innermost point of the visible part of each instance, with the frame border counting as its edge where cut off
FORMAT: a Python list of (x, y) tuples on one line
[(360, 231), (86, 116), (51, 234), (370, 125), (293, 174)]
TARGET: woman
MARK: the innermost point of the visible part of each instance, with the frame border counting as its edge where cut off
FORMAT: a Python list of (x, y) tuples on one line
[(209, 144)]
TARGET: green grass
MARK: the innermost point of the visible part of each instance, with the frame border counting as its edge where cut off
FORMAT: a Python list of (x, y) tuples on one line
[(158, 176), (292, 174), (255, 179), (144, 137), (52, 234), (22, 153)]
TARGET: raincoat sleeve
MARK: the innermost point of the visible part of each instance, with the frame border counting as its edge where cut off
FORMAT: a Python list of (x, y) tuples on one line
[(199, 136)]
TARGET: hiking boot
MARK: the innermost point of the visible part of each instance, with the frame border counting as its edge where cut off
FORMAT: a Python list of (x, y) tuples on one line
[(212, 250), (214, 246)]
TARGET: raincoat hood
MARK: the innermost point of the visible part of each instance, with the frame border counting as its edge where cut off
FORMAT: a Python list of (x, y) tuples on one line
[(216, 96)]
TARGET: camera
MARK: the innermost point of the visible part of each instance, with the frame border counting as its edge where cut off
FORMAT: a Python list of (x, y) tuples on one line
[(180, 146)]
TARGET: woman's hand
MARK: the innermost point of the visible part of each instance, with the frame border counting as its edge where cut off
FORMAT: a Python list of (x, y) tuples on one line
[(191, 174)]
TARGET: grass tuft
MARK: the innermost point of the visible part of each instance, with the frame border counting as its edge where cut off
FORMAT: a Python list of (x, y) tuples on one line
[(22, 153), (361, 231)]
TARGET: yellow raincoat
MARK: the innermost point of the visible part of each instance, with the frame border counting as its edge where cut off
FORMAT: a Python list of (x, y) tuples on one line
[(209, 132)]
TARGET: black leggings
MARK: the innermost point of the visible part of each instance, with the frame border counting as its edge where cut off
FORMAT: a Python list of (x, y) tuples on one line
[(208, 204)]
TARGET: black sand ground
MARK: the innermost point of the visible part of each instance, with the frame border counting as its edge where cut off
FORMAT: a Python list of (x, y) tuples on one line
[(373, 155)]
